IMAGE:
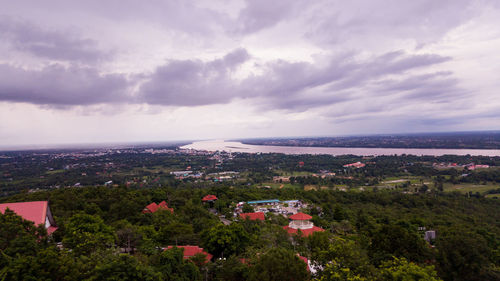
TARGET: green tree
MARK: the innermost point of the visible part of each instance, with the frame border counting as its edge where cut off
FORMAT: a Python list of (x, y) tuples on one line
[(399, 269), (278, 264), (123, 267), (333, 271), (86, 233), (19, 236), (395, 240), (222, 240), (173, 266)]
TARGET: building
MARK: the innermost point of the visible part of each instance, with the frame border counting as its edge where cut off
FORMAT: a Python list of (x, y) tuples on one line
[(37, 211), (153, 207), (253, 216), (191, 251), (301, 221), (209, 198), (265, 202)]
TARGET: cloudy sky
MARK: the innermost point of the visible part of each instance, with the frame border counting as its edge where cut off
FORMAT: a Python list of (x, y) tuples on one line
[(131, 71)]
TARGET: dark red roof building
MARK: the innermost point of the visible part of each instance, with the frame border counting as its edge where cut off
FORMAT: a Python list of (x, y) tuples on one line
[(37, 211), (209, 198), (253, 216), (191, 251), (153, 207), (300, 221)]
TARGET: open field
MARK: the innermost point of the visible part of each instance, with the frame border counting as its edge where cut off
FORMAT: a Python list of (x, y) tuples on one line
[(466, 187)]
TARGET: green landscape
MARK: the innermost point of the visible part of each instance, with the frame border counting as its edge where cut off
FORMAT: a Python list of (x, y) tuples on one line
[(370, 222)]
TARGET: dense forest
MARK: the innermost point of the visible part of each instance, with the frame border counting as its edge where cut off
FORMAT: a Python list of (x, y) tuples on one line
[(369, 236)]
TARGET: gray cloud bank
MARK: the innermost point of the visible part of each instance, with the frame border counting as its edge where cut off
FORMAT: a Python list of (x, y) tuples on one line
[(280, 84), (52, 44), (69, 72)]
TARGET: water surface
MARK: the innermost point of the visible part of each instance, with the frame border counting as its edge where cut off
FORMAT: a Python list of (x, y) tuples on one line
[(232, 146)]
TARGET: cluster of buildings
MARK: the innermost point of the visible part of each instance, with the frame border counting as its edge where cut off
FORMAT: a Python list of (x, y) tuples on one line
[(276, 206), (470, 166)]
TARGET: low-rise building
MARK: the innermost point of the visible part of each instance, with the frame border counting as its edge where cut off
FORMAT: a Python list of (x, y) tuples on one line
[(191, 251), (253, 216), (209, 198), (36, 211), (153, 207), (301, 221)]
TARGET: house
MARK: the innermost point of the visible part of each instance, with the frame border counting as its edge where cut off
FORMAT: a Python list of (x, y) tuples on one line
[(209, 198), (253, 216), (301, 221), (191, 251), (153, 207), (36, 211)]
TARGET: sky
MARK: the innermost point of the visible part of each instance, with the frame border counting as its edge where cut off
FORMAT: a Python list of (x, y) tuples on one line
[(99, 71)]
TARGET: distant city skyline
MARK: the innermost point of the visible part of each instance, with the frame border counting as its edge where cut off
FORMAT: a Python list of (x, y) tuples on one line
[(153, 71)]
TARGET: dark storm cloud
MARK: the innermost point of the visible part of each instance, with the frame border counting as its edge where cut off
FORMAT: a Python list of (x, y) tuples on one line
[(52, 44), (61, 86)]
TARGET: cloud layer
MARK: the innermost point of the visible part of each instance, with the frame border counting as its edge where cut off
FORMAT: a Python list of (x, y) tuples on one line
[(313, 60)]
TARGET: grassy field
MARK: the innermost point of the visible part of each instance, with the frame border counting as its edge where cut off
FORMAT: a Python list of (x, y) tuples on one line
[(466, 187)]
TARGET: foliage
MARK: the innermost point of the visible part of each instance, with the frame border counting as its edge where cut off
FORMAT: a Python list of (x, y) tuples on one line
[(86, 233), (224, 240), (399, 269), (278, 264)]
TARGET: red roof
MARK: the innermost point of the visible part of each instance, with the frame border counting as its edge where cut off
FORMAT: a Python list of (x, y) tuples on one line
[(35, 211), (191, 251), (153, 207), (209, 197), (253, 216), (300, 217), (305, 232)]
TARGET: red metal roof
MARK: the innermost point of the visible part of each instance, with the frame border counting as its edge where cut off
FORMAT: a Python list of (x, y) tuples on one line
[(305, 232), (153, 207), (33, 211), (209, 197), (253, 216), (191, 251), (300, 217)]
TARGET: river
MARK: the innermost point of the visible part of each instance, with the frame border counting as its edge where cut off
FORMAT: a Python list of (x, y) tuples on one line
[(232, 146)]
